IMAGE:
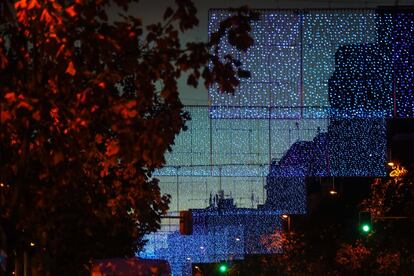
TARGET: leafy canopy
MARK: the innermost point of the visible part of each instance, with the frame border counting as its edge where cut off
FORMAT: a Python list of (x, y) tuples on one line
[(88, 108)]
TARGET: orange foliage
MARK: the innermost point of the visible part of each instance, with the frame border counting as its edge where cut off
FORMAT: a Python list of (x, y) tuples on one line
[(98, 139), (353, 256), (33, 4), (4, 116), (112, 147), (71, 69), (10, 97), (83, 147), (71, 11)]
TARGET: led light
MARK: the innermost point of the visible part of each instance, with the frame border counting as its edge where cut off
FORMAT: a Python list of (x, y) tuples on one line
[(366, 228), (323, 82), (223, 268)]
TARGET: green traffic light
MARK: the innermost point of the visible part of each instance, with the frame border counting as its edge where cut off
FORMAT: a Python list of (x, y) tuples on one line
[(223, 268), (366, 228)]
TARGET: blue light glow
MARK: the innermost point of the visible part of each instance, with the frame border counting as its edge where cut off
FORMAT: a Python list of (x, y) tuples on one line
[(217, 236), (322, 84), (296, 57)]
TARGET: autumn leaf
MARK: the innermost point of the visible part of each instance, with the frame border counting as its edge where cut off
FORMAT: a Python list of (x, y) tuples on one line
[(4, 116), (10, 97), (71, 11), (52, 85), (33, 4), (36, 115), (57, 6), (3, 60), (58, 67), (54, 113), (98, 138), (25, 105), (46, 17), (71, 69), (112, 148), (131, 104), (22, 4)]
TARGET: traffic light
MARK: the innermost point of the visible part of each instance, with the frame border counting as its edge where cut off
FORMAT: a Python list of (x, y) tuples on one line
[(186, 223), (365, 222), (223, 268)]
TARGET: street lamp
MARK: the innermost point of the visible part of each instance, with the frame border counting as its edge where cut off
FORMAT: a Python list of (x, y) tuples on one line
[(333, 192), (286, 218)]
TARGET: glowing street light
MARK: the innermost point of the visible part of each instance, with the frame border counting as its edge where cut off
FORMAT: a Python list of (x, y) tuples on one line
[(286, 217), (391, 164), (333, 192)]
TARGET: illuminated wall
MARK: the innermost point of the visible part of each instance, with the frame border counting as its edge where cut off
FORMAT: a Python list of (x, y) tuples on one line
[(295, 54), (323, 83), (216, 236), (403, 57), (245, 147), (230, 147)]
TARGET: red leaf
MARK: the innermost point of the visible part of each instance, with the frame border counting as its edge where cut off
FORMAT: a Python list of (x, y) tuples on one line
[(71, 69), (10, 97), (112, 148), (36, 116), (71, 11), (3, 60), (98, 138), (46, 17), (20, 4), (4, 116), (33, 4)]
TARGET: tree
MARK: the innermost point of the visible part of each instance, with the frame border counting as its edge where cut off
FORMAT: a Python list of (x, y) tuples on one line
[(391, 204), (325, 243), (88, 108)]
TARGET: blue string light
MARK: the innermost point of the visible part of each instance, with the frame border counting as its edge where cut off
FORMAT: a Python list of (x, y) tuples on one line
[(322, 85), (293, 64), (217, 236)]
